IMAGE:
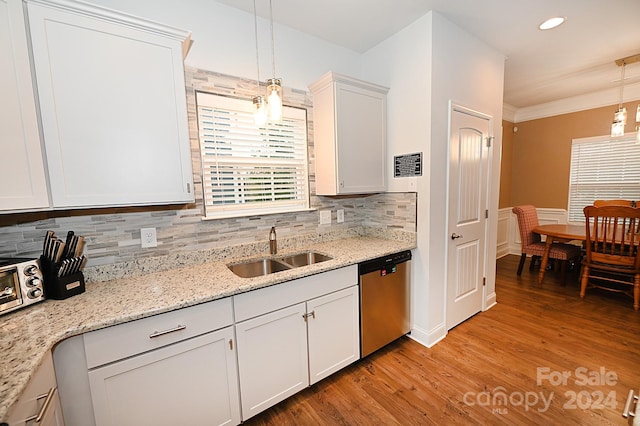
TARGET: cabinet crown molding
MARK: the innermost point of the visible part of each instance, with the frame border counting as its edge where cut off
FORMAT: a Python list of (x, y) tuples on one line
[(120, 18), (333, 77)]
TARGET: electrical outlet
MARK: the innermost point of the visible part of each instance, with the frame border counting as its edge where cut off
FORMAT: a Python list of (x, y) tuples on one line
[(148, 237), (325, 217), (340, 216)]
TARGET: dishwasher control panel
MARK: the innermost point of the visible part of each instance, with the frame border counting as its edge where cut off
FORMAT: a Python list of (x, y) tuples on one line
[(386, 264)]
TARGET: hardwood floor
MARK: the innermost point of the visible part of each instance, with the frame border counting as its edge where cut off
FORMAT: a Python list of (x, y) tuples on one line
[(502, 366)]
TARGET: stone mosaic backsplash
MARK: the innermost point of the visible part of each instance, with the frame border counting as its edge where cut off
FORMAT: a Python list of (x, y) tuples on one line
[(115, 238)]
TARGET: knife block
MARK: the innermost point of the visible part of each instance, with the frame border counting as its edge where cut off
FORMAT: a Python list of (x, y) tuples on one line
[(56, 287)]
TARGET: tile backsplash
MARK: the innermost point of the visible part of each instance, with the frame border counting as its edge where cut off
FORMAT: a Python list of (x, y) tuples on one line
[(115, 237)]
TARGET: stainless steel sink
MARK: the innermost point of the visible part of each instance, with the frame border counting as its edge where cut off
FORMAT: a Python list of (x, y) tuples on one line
[(257, 268), (304, 259), (260, 267)]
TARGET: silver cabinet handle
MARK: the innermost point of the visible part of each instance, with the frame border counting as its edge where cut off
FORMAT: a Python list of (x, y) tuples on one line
[(310, 314), (627, 407), (43, 410), (454, 236), (171, 330)]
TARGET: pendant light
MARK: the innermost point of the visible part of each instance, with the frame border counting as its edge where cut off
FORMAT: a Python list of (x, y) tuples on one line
[(274, 85), (637, 117), (638, 125), (259, 105), (620, 116)]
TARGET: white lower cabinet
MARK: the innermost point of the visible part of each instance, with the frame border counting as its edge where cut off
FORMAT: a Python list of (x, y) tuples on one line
[(176, 368), (217, 363), (272, 350), (283, 351), (334, 334), (192, 382), (39, 403)]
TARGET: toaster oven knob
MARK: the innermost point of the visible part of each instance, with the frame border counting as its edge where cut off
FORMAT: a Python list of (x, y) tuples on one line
[(34, 282), (34, 293), (31, 270)]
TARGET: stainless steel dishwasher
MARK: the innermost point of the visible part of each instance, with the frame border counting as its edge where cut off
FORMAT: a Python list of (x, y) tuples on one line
[(384, 300)]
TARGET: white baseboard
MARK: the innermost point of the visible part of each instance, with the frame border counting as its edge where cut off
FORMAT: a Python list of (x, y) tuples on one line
[(490, 302), (428, 338)]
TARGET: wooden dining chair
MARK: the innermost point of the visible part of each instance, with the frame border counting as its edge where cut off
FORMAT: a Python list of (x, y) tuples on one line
[(533, 245), (613, 259), (602, 203)]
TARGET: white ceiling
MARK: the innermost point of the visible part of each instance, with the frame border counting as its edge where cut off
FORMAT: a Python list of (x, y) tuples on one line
[(541, 66)]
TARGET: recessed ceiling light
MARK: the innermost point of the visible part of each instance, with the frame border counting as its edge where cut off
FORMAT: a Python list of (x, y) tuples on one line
[(551, 23)]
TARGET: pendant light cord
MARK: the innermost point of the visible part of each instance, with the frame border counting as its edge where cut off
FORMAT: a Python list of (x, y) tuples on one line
[(255, 28), (273, 46), (621, 84)]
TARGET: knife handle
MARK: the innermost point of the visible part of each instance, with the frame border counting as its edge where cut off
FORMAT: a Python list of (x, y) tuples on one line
[(79, 246)]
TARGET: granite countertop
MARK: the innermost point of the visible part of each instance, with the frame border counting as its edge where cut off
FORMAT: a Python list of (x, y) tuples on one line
[(26, 335)]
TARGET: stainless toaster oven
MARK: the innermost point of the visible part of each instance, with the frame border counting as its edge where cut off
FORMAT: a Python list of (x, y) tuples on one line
[(21, 283)]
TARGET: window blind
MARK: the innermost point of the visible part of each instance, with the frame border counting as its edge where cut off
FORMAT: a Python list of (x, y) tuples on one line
[(246, 169), (602, 169)]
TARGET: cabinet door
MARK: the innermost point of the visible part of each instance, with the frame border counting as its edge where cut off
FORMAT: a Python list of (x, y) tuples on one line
[(361, 139), (272, 355), (22, 177), (33, 401), (334, 333), (113, 107), (188, 383)]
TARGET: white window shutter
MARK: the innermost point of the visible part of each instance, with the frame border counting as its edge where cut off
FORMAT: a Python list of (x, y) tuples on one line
[(250, 170), (602, 169)]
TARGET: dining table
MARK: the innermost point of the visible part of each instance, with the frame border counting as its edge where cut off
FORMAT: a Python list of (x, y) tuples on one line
[(557, 232)]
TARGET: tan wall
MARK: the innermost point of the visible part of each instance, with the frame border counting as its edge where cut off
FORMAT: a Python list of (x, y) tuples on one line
[(540, 155), (505, 165)]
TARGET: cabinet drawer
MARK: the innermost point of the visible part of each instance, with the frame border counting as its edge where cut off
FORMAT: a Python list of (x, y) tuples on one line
[(124, 340)]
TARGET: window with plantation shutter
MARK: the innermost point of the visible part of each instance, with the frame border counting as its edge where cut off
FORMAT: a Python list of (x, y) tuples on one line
[(603, 169), (251, 170)]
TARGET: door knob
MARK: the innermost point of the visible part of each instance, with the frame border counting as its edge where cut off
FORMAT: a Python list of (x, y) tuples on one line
[(455, 236)]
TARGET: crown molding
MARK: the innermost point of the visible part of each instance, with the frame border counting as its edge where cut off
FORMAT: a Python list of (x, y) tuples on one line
[(572, 104), (105, 14), (509, 112)]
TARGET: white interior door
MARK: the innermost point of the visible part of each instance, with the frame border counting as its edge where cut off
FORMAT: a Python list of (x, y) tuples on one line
[(468, 186)]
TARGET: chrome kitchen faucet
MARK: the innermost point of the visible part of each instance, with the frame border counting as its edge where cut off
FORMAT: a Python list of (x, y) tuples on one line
[(273, 243)]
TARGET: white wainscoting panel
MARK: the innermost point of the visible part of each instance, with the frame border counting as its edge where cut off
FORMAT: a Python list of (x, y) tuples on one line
[(504, 232)]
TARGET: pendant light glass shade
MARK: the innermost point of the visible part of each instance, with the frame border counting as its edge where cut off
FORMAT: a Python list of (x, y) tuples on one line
[(274, 96), (638, 114), (259, 111), (617, 129), (620, 116)]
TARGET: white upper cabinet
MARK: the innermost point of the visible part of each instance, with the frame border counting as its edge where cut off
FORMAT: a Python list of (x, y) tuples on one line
[(112, 99), (22, 176), (350, 126)]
